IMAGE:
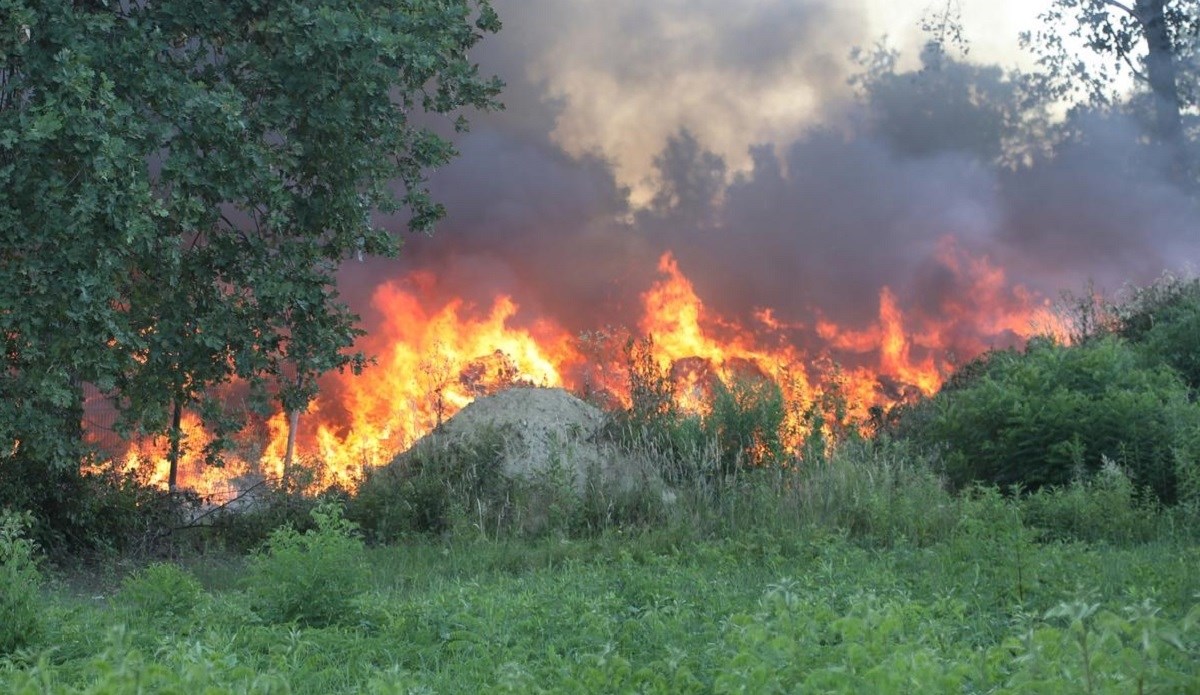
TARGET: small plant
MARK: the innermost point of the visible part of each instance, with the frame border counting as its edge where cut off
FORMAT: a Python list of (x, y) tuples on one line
[(161, 591), (310, 578), (20, 584), (1104, 506), (436, 486), (746, 420)]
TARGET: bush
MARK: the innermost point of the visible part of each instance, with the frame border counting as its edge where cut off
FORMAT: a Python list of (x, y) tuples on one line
[(160, 591), (879, 492), (104, 510), (1173, 339), (746, 421), (1102, 507), (20, 584), (310, 578), (434, 487), (245, 528), (1053, 413)]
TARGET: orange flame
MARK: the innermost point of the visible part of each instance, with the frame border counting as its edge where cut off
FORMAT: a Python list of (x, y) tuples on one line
[(148, 460), (434, 358), (430, 364)]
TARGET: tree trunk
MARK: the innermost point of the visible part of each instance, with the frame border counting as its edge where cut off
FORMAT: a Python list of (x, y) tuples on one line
[(176, 444), (1161, 72)]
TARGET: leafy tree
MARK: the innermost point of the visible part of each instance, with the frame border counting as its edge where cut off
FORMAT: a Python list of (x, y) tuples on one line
[(1154, 41), (949, 103), (180, 180), (690, 178)]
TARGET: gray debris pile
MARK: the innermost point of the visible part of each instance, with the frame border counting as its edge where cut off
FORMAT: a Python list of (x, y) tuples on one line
[(542, 428)]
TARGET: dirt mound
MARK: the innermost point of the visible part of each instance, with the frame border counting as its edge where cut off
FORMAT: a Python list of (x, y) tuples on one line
[(542, 428)]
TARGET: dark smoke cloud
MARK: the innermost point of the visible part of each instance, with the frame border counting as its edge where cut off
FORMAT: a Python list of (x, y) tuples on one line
[(818, 220), (1104, 209)]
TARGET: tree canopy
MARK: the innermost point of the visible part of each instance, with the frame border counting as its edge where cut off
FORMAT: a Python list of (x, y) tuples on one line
[(179, 181), (1153, 41)]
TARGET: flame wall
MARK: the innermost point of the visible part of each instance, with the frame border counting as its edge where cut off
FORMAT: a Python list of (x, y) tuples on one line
[(702, 171)]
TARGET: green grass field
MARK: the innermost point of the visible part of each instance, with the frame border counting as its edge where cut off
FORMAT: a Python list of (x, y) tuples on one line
[(987, 608)]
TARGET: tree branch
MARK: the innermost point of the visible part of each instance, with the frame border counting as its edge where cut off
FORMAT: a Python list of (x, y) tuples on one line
[(1120, 6), (1133, 68)]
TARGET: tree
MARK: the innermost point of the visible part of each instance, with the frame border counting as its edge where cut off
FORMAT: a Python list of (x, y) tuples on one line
[(690, 178), (1155, 41), (949, 103), (180, 180)]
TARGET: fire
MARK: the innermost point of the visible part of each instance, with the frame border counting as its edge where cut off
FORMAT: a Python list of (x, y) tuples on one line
[(686, 336), (432, 358), (148, 459), (430, 363)]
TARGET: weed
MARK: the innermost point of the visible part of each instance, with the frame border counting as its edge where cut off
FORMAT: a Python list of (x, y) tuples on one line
[(310, 578), (20, 584), (160, 591)]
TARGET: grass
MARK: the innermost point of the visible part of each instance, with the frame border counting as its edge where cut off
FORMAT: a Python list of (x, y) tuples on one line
[(862, 574), (986, 609)]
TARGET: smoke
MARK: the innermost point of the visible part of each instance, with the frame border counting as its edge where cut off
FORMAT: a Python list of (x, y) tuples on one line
[(728, 135)]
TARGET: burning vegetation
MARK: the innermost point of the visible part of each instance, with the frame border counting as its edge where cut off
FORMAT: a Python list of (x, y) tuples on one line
[(434, 356)]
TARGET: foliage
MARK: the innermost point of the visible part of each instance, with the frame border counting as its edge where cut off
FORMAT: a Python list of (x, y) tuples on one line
[(742, 421), (160, 591), (179, 183), (98, 511), (122, 667), (1164, 319), (948, 104), (651, 390), (880, 493), (753, 611), (1103, 506), (1053, 413), (435, 487), (20, 584), (1133, 649), (746, 420), (310, 578), (1118, 34), (244, 527), (1152, 41)]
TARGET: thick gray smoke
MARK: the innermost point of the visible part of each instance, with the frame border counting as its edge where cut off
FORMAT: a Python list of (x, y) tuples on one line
[(567, 199)]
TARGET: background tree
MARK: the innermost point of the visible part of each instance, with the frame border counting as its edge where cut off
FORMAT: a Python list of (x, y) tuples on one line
[(1154, 41), (180, 180)]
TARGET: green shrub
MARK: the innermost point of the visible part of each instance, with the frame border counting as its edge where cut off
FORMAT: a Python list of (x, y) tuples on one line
[(879, 492), (160, 591), (746, 420), (1162, 319), (743, 426), (310, 578), (1053, 413), (74, 512), (1104, 506), (1174, 338), (434, 487), (20, 584), (246, 528)]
